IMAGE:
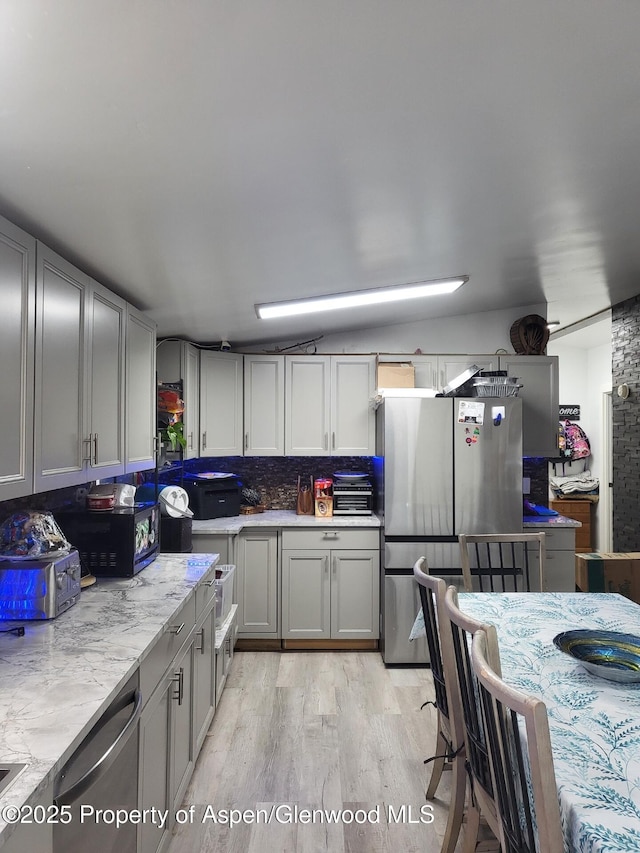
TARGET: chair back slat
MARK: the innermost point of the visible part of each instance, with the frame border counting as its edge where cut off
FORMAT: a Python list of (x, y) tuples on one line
[(435, 654), (519, 747), (511, 562), (463, 628)]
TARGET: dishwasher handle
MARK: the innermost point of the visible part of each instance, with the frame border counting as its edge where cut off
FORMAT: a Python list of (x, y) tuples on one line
[(101, 766)]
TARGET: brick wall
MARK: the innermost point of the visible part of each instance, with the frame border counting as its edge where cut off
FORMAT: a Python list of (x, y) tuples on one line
[(625, 339)]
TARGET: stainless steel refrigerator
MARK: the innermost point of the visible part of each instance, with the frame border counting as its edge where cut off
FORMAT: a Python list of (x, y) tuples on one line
[(444, 466)]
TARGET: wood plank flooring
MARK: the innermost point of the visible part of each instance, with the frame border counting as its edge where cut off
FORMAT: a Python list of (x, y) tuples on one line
[(320, 731)]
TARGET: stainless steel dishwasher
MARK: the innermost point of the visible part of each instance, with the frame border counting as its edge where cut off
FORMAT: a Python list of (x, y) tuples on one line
[(100, 777)]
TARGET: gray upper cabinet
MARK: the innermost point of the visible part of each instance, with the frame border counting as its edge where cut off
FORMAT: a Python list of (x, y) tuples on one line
[(79, 432), (17, 288), (191, 394), (264, 405), (307, 402), (105, 392), (140, 381), (61, 452), (538, 375), (179, 361), (221, 403), (451, 366), (353, 426), (328, 408)]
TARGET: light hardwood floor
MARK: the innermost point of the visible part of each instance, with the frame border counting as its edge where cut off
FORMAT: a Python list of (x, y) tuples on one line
[(317, 730)]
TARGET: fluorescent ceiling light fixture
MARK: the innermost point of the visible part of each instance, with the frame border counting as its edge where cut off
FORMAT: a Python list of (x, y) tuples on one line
[(552, 324), (358, 298)]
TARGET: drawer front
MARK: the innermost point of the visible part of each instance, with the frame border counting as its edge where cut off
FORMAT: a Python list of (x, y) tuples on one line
[(337, 537), (558, 539), (153, 667)]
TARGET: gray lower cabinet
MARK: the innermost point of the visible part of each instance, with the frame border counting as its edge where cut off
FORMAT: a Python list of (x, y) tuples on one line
[(215, 543), (330, 592), (560, 557), (257, 584), (179, 676), (154, 784), (204, 677), (182, 752), (330, 595)]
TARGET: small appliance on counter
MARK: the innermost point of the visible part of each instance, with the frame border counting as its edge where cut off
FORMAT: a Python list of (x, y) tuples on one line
[(323, 497), (175, 520), (352, 493), (213, 494), (115, 543), (104, 497), (39, 588)]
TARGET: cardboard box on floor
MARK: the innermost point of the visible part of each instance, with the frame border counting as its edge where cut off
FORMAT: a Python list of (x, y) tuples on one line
[(610, 573), (391, 375)]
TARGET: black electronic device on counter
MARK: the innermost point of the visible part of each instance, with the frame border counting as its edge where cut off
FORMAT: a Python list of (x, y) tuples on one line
[(175, 535), (213, 494), (114, 543)]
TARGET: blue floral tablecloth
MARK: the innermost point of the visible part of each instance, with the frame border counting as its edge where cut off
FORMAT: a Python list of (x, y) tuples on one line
[(594, 723)]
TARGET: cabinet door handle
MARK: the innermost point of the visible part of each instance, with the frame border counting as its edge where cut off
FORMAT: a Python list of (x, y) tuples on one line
[(330, 534), (178, 679), (191, 440), (87, 441), (95, 449), (333, 441), (246, 441), (325, 560), (200, 634), (207, 583), (326, 441), (176, 629), (204, 440), (334, 564)]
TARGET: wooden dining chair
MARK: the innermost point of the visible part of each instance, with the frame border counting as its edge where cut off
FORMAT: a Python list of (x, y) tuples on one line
[(522, 771), (463, 689), (509, 562), (449, 748)]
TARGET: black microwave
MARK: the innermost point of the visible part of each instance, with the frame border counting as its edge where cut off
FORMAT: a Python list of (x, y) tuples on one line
[(114, 543)]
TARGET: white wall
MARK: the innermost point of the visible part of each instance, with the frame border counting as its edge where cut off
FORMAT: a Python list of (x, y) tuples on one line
[(485, 332), (585, 374)]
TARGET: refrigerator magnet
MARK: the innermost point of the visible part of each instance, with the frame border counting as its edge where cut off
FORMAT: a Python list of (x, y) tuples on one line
[(470, 412)]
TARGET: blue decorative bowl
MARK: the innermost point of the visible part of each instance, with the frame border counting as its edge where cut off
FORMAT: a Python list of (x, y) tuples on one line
[(607, 654)]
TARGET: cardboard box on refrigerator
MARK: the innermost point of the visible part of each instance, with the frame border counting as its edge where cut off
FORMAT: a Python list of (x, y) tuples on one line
[(393, 375), (608, 572)]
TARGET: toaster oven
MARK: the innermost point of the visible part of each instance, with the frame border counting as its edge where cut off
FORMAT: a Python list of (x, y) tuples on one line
[(118, 543), (39, 589)]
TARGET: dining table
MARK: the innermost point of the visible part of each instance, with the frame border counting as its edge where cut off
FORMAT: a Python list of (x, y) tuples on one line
[(594, 722)]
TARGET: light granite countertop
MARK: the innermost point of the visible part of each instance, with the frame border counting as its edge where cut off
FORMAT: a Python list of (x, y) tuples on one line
[(280, 518), (549, 521), (58, 677)]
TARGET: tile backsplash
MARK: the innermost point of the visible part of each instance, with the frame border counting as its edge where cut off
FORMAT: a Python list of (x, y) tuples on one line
[(274, 477)]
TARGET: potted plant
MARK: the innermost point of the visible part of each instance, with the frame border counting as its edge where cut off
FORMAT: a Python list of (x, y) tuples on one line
[(173, 436)]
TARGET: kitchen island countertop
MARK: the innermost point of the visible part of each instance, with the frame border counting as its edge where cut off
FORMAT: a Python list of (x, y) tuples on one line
[(279, 518), (59, 677)]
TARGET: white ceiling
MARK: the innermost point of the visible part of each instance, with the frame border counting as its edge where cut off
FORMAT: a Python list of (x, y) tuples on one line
[(199, 156)]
